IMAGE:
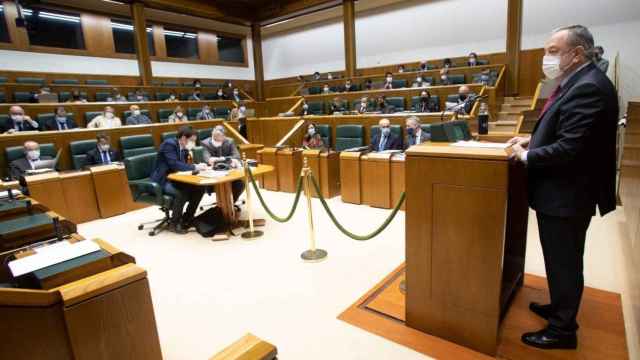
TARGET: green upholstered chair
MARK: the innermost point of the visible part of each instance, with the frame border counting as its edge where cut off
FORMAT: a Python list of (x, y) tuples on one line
[(170, 83), (168, 135), (42, 118), (399, 84), (198, 154), (79, 151), (162, 96), (30, 80), (349, 136), (188, 83), (96, 82), (3, 97), (395, 129), (184, 96), (221, 112), (136, 145), (316, 107), (397, 102), (3, 121), (156, 82), (21, 96), (139, 169), (315, 90), (426, 128), (89, 115), (209, 96), (483, 62), (428, 79), (457, 79), (3, 79), (163, 114), (325, 133), (193, 112), (65, 82), (102, 96), (203, 134), (452, 98), (127, 113)]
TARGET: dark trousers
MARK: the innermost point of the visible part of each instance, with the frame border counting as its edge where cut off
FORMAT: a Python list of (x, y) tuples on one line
[(237, 188), (182, 194), (563, 241)]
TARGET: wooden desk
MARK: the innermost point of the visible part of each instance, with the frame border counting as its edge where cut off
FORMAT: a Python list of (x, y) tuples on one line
[(372, 179), (350, 186), (108, 315), (222, 185), (325, 167), (375, 175), (466, 230), (111, 189), (289, 166)]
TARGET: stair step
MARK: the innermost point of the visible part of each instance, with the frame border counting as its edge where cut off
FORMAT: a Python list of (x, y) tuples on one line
[(514, 107), (512, 98)]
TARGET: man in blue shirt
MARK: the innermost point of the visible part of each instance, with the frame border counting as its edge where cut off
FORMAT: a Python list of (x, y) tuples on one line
[(173, 156), (102, 154)]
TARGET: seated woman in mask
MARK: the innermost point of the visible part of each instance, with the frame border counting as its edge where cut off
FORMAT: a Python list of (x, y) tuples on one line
[(218, 149), (312, 139), (388, 81), (419, 81), (425, 104), (220, 95)]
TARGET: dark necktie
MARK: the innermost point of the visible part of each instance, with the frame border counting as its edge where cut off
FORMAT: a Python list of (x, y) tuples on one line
[(62, 126), (551, 99), (20, 128)]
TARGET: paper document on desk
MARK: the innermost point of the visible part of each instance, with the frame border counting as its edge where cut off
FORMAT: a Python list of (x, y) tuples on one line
[(477, 144), (44, 258), (213, 173)]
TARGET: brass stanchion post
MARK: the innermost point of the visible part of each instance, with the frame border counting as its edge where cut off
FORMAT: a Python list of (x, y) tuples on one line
[(252, 233), (313, 254)]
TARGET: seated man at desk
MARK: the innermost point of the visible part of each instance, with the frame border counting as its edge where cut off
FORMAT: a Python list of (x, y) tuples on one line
[(415, 135), (18, 121), (385, 139), (106, 120), (102, 154), (425, 105), (60, 121), (312, 139), (205, 114), (464, 102), (364, 106), (220, 149), (137, 117), (173, 156), (19, 167)]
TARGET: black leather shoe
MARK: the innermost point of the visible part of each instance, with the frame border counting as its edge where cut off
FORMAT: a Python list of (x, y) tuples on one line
[(547, 339), (544, 311)]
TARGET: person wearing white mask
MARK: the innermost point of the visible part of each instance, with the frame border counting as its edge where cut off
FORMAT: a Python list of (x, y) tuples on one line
[(388, 81), (220, 95), (571, 165), (312, 140), (106, 120), (18, 121), (60, 121), (172, 97), (236, 95), (221, 149), (419, 81), (364, 106), (304, 109), (19, 167), (326, 89), (102, 154), (178, 115), (175, 154), (205, 114), (137, 117), (473, 59)]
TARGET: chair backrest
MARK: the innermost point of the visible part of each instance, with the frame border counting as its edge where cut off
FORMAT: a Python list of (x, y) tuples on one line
[(184, 96), (188, 83), (29, 80), (42, 118), (3, 79), (21, 96), (3, 98), (170, 83), (209, 96), (397, 102), (325, 133), (198, 154), (221, 112), (136, 145), (79, 151), (102, 96), (163, 114), (397, 84), (140, 166), (395, 129), (426, 128), (203, 134), (315, 90), (457, 79), (168, 135), (16, 152), (156, 82), (128, 113), (349, 136), (4, 119), (66, 82), (193, 112), (316, 107), (452, 98), (483, 62), (89, 115), (162, 96), (97, 82)]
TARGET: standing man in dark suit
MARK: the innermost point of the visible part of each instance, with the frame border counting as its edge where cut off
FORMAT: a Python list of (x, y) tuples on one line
[(571, 161), (173, 156), (385, 139), (102, 154), (60, 121)]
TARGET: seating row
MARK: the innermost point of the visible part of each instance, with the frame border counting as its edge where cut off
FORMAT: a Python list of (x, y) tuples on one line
[(398, 103), (68, 81), (103, 96)]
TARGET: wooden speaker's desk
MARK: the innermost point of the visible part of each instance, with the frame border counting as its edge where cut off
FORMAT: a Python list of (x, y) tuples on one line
[(466, 229), (105, 315), (325, 167), (374, 179)]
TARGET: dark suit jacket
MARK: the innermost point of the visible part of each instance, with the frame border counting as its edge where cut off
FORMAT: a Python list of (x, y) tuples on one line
[(424, 136), (18, 167), (393, 142), (26, 126), (95, 158), (52, 124), (168, 161), (572, 153)]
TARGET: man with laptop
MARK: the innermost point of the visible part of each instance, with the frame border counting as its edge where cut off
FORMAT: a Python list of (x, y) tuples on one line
[(32, 161)]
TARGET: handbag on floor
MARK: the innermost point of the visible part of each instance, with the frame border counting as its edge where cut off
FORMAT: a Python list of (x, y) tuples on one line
[(210, 222)]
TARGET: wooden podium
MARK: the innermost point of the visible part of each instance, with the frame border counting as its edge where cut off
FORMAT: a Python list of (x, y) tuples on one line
[(466, 230)]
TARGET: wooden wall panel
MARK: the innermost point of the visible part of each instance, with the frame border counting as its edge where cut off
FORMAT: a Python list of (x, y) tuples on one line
[(530, 71), (98, 36)]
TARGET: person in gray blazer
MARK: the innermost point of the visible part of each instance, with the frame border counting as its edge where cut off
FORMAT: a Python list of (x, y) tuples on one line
[(415, 135), (220, 149)]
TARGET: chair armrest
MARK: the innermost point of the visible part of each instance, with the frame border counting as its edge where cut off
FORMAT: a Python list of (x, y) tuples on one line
[(139, 187)]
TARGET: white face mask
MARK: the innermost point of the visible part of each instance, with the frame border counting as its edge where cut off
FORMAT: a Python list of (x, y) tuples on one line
[(472, 60), (219, 93), (108, 115), (217, 143), (305, 106), (389, 78), (33, 155), (243, 109), (311, 131), (179, 114), (172, 97), (326, 89), (17, 118), (191, 145), (235, 93), (136, 112), (551, 66), (104, 147)]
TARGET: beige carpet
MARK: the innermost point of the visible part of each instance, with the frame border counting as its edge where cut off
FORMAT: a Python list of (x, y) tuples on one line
[(207, 294)]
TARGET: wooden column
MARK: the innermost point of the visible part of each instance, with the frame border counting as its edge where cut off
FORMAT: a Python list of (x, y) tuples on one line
[(256, 36), (349, 14), (514, 34), (142, 47)]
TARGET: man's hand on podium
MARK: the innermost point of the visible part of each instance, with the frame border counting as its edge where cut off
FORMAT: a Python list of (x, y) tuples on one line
[(518, 148)]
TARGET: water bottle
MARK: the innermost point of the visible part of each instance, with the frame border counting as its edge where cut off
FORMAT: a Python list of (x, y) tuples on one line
[(483, 119)]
